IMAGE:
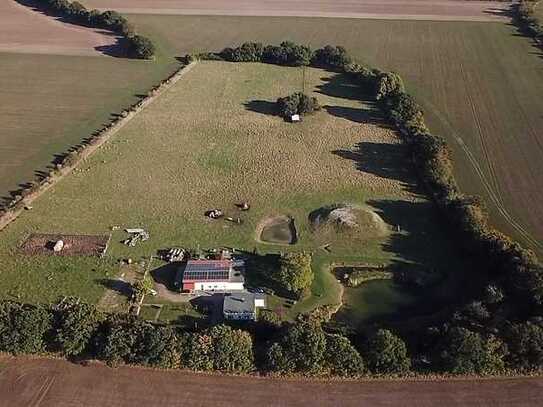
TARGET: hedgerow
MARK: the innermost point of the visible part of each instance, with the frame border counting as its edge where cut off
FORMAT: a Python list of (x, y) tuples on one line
[(527, 19)]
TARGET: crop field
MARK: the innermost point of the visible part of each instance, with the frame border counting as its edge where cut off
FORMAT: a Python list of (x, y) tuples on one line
[(52, 102), (390, 9), (211, 142), (479, 83), (25, 30), (23, 381)]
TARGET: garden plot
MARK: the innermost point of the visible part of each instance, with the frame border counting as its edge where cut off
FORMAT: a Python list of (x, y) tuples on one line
[(71, 245)]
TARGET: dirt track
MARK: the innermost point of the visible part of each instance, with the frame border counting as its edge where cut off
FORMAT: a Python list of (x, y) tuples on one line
[(56, 383), (27, 31), (446, 10)]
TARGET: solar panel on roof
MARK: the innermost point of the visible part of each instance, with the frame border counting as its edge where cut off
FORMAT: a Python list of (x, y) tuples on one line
[(206, 271)]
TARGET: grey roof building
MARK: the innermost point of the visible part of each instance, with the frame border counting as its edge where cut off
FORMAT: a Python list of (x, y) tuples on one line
[(242, 306)]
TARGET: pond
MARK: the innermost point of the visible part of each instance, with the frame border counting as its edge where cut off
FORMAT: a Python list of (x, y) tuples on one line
[(372, 300), (278, 230)]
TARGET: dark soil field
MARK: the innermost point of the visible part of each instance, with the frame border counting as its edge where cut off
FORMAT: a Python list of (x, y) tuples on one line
[(479, 83), (74, 245), (57, 383)]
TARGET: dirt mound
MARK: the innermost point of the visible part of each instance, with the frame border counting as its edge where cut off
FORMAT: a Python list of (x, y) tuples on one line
[(348, 218), (277, 230)]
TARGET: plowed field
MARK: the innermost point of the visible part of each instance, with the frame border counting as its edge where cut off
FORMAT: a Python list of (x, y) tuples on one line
[(389, 9), (25, 30), (57, 383)]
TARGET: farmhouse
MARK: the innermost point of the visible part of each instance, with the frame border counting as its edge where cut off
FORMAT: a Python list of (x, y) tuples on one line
[(242, 306), (210, 275)]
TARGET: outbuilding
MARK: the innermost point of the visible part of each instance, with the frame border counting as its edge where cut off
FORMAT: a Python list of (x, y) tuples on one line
[(242, 306)]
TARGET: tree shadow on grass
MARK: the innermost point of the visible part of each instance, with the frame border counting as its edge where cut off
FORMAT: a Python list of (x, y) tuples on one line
[(119, 286), (385, 160), (262, 107), (358, 115), (340, 85), (165, 275), (425, 263), (423, 241)]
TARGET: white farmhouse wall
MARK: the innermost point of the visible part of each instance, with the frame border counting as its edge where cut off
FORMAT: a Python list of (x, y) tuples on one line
[(217, 286)]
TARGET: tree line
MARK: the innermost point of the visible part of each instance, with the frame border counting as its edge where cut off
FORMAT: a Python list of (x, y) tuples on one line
[(138, 46), (526, 17), (78, 330), (503, 325)]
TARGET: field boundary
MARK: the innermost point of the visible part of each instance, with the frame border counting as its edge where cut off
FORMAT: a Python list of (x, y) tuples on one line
[(88, 149)]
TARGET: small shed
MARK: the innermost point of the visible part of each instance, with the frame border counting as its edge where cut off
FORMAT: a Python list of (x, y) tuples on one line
[(295, 118)]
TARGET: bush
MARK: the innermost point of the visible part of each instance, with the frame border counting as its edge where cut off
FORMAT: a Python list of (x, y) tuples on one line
[(301, 349), (525, 344), (294, 273), (297, 55), (386, 353), (23, 327), (247, 52), (332, 57), (342, 359), (155, 346), (219, 348), (75, 325), (297, 103), (116, 337), (388, 84), (466, 352), (273, 54), (140, 47)]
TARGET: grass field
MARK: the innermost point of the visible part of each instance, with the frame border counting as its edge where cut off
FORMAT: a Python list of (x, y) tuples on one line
[(210, 142), (52, 102), (480, 84)]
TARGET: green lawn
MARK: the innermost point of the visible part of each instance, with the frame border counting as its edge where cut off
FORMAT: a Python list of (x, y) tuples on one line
[(480, 85), (163, 170), (50, 103)]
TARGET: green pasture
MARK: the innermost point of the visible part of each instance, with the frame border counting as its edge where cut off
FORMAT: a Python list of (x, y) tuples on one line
[(480, 85), (211, 142)]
